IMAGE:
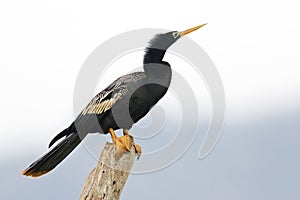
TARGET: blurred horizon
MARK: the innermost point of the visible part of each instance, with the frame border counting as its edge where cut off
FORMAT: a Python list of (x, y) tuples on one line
[(251, 156)]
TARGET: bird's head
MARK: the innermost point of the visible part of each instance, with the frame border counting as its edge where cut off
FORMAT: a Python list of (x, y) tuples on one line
[(165, 40), (161, 42)]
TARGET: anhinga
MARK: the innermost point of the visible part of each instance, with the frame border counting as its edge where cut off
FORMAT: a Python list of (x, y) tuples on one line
[(124, 102)]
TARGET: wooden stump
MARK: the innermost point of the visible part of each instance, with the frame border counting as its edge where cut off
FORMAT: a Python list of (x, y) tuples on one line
[(106, 181)]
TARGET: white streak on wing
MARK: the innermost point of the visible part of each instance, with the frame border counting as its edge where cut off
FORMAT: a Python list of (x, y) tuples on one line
[(98, 108)]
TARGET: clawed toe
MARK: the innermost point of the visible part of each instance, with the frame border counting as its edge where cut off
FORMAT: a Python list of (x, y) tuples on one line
[(124, 144), (138, 150)]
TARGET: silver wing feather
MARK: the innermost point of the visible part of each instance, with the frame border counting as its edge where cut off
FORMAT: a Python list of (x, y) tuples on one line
[(100, 103)]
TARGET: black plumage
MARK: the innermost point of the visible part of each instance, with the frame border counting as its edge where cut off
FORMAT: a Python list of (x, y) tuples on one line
[(124, 102)]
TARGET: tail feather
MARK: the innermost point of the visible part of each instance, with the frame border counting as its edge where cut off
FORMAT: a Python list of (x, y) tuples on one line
[(56, 155), (65, 132)]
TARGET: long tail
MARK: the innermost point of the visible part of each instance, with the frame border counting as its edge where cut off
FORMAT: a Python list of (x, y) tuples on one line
[(50, 160)]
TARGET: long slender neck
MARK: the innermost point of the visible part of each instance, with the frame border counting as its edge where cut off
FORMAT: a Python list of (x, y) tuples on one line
[(153, 55), (155, 68), (159, 72)]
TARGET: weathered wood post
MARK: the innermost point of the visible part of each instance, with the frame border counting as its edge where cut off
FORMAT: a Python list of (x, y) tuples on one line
[(106, 181)]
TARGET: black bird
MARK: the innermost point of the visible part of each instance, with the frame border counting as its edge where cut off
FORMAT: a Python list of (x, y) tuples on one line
[(124, 102)]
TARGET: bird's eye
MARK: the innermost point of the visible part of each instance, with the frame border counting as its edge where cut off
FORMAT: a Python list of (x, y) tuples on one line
[(175, 34)]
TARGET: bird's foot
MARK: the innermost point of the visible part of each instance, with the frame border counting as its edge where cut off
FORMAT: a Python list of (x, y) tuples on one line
[(138, 150), (124, 143)]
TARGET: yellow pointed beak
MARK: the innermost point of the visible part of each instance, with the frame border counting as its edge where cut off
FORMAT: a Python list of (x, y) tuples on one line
[(191, 30)]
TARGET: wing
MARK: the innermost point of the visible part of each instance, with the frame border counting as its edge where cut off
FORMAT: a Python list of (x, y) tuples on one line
[(110, 95), (104, 101)]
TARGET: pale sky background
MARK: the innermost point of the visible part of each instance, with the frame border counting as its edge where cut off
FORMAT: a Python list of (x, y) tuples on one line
[(254, 45)]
